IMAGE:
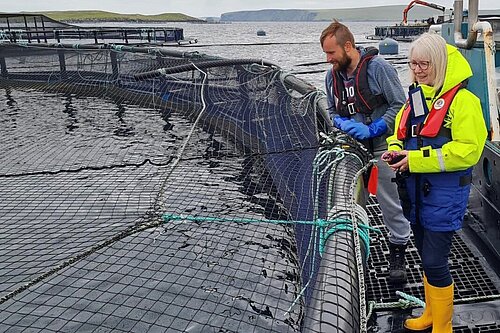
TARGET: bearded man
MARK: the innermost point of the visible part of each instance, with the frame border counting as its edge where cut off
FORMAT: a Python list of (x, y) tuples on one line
[(364, 96)]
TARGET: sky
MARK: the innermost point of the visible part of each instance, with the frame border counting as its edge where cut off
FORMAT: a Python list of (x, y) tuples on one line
[(202, 8)]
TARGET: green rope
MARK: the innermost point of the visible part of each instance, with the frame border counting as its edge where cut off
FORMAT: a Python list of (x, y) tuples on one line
[(327, 228), (168, 217), (408, 301), (321, 164), (411, 298), (400, 304), (345, 224)]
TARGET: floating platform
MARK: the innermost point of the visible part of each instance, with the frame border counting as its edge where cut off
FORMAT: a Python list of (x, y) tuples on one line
[(37, 28), (402, 33)]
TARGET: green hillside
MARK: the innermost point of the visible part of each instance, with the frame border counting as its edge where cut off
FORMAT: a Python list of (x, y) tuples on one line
[(97, 15)]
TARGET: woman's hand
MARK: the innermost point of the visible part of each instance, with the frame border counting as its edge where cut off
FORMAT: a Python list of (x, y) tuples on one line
[(388, 156), (400, 162)]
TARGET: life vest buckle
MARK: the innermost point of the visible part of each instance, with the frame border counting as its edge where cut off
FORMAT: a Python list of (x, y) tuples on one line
[(414, 130), (352, 110)]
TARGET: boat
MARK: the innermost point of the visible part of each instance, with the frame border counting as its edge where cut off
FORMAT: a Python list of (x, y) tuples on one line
[(148, 189), (406, 31)]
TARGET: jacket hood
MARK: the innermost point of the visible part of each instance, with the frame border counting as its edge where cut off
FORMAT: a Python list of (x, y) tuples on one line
[(457, 69)]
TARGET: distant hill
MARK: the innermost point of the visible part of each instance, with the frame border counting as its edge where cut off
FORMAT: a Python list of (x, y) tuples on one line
[(102, 16), (379, 13)]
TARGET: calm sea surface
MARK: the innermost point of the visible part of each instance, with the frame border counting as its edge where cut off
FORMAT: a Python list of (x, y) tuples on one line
[(286, 44)]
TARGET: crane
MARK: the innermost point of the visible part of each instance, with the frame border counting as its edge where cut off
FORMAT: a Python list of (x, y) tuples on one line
[(419, 2)]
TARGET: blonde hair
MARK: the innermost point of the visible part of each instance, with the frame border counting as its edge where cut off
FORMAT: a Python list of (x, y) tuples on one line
[(433, 47)]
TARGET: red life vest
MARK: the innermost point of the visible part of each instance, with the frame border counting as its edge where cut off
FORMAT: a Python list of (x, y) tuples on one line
[(434, 120)]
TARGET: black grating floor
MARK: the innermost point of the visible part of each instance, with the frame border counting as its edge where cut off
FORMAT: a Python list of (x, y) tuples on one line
[(475, 320), (471, 275), (479, 328)]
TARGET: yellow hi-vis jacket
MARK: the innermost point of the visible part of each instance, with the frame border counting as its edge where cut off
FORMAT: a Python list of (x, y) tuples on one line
[(464, 119)]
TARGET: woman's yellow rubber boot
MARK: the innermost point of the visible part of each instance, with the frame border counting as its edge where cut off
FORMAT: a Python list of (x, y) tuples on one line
[(442, 308), (425, 320)]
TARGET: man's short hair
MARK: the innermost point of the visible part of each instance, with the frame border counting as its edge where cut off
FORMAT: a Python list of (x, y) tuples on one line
[(340, 31)]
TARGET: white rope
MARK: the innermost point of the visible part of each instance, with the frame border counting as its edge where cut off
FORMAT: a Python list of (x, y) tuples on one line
[(177, 158), (358, 213)]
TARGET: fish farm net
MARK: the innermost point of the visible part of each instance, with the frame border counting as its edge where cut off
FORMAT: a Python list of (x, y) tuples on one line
[(150, 190)]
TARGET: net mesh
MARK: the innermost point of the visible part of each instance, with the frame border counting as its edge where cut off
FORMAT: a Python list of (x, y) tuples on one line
[(150, 190)]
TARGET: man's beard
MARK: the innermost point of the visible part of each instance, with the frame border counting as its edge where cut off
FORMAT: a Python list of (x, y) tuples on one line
[(343, 63)]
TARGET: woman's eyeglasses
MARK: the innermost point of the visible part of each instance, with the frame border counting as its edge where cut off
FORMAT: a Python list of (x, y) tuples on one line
[(424, 65)]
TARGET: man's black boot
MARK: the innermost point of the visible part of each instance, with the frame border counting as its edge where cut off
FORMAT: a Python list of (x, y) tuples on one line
[(397, 263)]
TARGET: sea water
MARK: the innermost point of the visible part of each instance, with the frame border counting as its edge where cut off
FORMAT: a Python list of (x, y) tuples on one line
[(286, 44)]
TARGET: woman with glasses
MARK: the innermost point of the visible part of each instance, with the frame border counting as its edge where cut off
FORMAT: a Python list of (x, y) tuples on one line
[(439, 136)]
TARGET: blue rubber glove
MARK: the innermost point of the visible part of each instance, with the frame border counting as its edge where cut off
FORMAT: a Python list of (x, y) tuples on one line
[(377, 128), (361, 131), (357, 130), (346, 125), (338, 121)]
